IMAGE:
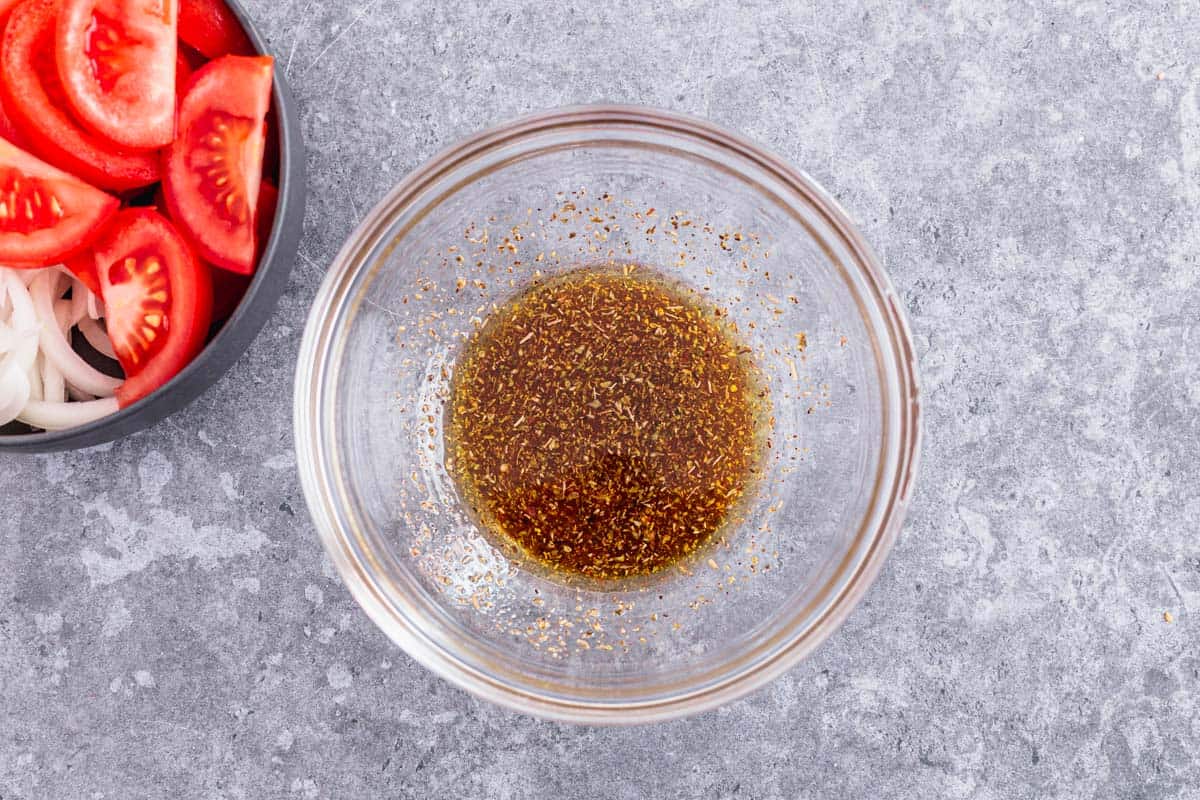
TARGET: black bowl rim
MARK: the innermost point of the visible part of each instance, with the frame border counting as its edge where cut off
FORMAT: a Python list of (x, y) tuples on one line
[(235, 337)]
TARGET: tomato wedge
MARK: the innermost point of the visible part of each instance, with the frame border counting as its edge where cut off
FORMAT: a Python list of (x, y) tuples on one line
[(83, 266), (264, 221), (46, 215), (212, 172), (229, 288), (6, 7), (158, 298), (211, 28), (183, 75), (8, 128), (35, 98), (116, 60)]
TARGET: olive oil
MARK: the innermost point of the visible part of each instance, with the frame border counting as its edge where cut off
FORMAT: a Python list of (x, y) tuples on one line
[(605, 422)]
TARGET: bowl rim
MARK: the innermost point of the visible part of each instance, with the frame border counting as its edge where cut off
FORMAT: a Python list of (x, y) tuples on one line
[(242, 328), (322, 498)]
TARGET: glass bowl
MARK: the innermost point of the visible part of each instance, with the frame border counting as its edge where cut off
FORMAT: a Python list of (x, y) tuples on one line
[(530, 199)]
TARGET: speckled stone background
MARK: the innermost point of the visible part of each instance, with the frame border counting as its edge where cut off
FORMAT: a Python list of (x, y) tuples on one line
[(1030, 174)]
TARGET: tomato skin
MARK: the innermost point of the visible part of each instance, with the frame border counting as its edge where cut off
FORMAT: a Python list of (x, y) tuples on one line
[(158, 297), (6, 7), (213, 170), (264, 220), (29, 82), (46, 215), (116, 61), (83, 266), (212, 29), (229, 288), (183, 76), (8, 128), (194, 58)]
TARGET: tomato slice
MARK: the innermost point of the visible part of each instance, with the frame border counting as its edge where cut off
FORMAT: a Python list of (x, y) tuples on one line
[(194, 58), (8, 128), (230, 287), (83, 266), (214, 30), (46, 215), (116, 60), (34, 96), (183, 75), (212, 172), (158, 298), (264, 220)]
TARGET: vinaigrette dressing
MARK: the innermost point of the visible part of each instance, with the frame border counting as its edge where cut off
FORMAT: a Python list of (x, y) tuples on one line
[(605, 422)]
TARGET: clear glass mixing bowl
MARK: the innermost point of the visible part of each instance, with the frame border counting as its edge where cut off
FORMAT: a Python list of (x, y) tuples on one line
[(548, 193)]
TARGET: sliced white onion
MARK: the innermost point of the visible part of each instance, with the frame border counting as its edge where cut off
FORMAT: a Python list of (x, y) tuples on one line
[(54, 388), (14, 389), (38, 368), (10, 340), (62, 416), (57, 349), (39, 371), (95, 307), (34, 376), (97, 337), (62, 315), (79, 304), (24, 318), (78, 395), (60, 281), (79, 300)]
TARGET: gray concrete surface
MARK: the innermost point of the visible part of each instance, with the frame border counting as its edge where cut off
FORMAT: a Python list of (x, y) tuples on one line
[(1029, 172)]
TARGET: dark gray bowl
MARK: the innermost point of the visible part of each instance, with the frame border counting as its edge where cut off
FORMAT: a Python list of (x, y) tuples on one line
[(239, 331)]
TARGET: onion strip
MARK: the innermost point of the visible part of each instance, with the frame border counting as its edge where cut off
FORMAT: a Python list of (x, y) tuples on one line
[(56, 348), (62, 315), (54, 388), (79, 301), (61, 416), (34, 375), (10, 340), (78, 395), (40, 372), (97, 337), (24, 319), (14, 389)]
